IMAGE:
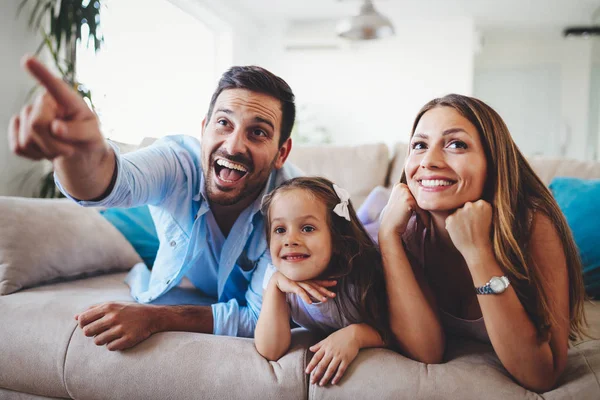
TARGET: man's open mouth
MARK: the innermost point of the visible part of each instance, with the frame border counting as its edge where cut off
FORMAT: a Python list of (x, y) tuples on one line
[(229, 171)]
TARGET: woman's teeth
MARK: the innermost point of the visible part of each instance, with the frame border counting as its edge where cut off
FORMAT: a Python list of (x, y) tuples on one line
[(435, 182)]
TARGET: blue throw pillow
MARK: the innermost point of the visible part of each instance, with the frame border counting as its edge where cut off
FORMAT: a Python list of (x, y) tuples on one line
[(579, 200), (138, 228)]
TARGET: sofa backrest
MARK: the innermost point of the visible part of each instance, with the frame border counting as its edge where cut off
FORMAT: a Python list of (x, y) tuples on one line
[(357, 169)]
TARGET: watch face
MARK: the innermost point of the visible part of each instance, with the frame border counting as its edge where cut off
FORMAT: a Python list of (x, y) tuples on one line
[(497, 285)]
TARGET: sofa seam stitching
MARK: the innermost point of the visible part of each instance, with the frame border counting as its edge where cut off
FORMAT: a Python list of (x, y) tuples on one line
[(65, 361), (590, 367)]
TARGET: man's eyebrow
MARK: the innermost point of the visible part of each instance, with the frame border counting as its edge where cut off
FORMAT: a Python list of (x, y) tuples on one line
[(445, 133), (264, 121), (256, 119)]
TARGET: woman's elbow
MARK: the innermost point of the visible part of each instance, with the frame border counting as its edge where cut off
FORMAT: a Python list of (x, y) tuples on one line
[(540, 382), (429, 357), (541, 385), (427, 352)]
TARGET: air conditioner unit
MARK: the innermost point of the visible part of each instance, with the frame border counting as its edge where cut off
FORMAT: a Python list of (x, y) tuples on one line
[(313, 35)]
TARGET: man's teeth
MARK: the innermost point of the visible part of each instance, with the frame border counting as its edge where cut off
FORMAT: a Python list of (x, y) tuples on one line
[(435, 182), (230, 165)]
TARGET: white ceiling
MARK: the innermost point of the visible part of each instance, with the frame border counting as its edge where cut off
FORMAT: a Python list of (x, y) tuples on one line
[(489, 15)]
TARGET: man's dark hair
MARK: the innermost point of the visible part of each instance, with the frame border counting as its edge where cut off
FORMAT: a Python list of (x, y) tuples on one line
[(257, 79)]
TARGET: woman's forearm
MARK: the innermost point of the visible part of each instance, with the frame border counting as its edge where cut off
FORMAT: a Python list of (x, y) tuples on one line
[(413, 316), (272, 336), (531, 362)]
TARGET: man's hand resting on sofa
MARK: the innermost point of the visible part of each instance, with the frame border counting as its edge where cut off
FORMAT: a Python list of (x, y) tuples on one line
[(59, 126), (117, 325), (121, 325)]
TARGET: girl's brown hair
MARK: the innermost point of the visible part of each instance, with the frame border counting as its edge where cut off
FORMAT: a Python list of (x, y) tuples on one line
[(355, 262), (515, 193)]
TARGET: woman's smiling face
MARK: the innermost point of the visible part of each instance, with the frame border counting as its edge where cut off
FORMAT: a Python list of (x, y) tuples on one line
[(446, 166)]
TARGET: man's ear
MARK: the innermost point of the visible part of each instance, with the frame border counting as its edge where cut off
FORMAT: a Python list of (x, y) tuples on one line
[(203, 126), (283, 153)]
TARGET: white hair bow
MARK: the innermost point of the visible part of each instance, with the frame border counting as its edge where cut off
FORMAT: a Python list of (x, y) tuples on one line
[(342, 208)]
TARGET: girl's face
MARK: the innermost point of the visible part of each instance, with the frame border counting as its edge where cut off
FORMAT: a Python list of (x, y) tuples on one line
[(446, 166), (300, 235)]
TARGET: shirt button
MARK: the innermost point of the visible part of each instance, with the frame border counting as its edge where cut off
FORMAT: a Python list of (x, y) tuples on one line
[(173, 243), (168, 281)]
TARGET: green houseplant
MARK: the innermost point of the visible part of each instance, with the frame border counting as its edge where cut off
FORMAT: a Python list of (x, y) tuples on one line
[(61, 24)]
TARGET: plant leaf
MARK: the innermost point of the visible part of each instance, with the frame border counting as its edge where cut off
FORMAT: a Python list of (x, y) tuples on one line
[(20, 8)]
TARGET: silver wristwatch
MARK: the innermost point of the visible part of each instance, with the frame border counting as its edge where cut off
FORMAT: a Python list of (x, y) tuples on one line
[(496, 285)]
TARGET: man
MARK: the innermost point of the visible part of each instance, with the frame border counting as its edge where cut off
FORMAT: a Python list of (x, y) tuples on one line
[(205, 199)]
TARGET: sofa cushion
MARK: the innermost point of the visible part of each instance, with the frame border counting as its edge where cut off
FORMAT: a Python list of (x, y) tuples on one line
[(44, 240), (183, 365), (138, 228), (397, 163), (36, 328), (548, 168), (472, 372), (578, 200), (358, 169)]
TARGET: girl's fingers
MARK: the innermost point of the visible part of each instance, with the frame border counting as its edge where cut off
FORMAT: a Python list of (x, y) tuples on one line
[(310, 289), (324, 291), (321, 368), (333, 366), (314, 348), (340, 372), (325, 282), (302, 293), (315, 361)]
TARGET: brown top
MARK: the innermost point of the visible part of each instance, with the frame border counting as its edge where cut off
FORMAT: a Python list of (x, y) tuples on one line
[(414, 242)]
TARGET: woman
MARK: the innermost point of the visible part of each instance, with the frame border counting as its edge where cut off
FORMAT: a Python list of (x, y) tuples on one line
[(474, 244)]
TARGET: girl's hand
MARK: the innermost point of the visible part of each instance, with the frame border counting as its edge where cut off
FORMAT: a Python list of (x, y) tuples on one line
[(469, 228), (332, 356), (315, 288), (399, 209)]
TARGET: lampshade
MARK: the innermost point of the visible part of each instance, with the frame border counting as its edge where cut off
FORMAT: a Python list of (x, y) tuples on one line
[(366, 25)]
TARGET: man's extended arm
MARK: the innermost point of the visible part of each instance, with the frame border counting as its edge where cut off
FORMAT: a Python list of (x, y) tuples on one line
[(59, 126)]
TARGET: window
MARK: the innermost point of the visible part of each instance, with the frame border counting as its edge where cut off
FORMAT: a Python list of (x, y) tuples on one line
[(155, 73)]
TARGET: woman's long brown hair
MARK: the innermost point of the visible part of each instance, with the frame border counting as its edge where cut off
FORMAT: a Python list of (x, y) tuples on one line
[(515, 193), (355, 262)]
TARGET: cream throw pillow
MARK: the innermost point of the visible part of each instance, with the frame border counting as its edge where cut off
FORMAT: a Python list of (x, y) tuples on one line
[(44, 240)]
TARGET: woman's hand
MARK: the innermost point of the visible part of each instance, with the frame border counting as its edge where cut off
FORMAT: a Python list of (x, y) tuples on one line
[(332, 356), (399, 209), (469, 228), (305, 289)]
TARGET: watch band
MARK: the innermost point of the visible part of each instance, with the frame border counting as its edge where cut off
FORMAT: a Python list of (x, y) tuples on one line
[(492, 286)]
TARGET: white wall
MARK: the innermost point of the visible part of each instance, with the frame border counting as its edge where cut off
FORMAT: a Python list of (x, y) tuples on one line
[(554, 115), (15, 41), (371, 92)]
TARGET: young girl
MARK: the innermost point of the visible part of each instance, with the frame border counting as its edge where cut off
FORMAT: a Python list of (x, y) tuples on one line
[(316, 243)]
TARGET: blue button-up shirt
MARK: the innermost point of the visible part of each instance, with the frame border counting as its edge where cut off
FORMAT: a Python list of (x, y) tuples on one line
[(168, 176)]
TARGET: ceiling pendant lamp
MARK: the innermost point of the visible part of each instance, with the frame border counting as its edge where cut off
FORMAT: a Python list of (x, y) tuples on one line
[(368, 24)]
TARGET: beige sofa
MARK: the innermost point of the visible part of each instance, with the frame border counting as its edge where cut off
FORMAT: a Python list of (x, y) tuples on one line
[(44, 355)]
